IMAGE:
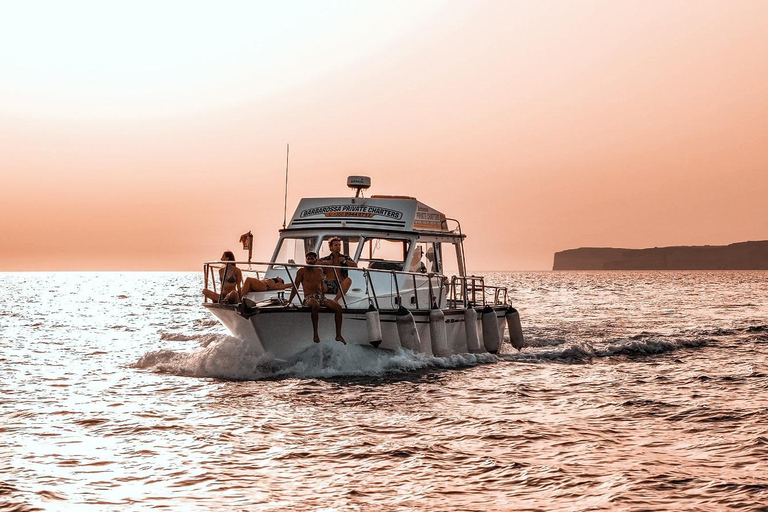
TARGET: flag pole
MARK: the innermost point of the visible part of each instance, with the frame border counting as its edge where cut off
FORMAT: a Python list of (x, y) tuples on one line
[(285, 199)]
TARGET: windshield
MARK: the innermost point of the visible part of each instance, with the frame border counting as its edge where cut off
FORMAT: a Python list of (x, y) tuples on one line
[(293, 250), (383, 253), (348, 245)]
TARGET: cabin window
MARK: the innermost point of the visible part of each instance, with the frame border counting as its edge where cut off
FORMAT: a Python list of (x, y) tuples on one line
[(447, 258), (419, 261), (428, 257), (434, 257), (349, 245), (294, 250), (383, 253)]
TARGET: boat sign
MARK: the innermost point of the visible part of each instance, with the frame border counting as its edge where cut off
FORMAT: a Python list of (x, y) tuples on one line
[(391, 213)]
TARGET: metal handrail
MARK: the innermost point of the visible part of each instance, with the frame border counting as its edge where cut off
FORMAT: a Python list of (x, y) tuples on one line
[(477, 287), (474, 287), (415, 293)]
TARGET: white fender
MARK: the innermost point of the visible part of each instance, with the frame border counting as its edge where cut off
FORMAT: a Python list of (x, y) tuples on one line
[(373, 322), (437, 333), (470, 326), (491, 336), (516, 337), (406, 330)]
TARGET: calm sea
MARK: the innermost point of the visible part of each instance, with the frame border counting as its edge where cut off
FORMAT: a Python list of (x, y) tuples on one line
[(640, 391)]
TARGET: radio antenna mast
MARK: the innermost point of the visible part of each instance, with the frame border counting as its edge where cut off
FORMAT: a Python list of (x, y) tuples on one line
[(285, 200)]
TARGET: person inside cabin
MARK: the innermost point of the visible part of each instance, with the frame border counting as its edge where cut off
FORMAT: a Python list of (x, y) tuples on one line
[(337, 280), (416, 264), (312, 279), (431, 258), (230, 277), (251, 284)]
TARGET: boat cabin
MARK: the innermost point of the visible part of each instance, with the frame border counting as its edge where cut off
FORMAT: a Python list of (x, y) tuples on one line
[(371, 237), (386, 234)]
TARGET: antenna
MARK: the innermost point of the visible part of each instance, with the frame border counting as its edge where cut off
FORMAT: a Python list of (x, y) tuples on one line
[(285, 200), (359, 183)]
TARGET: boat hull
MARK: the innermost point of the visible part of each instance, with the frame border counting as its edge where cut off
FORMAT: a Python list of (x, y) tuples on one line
[(283, 332)]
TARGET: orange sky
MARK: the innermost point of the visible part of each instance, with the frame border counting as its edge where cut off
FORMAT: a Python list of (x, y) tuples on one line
[(141, 137)]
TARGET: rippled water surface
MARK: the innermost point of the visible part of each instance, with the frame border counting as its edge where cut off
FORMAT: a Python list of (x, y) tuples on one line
[(640, 391)]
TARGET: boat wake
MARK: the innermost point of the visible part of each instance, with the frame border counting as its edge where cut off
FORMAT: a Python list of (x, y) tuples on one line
[(584, 351), (221, 356), (230, 358)]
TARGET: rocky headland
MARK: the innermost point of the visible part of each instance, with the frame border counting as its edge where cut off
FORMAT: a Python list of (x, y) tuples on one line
[(738, 256)]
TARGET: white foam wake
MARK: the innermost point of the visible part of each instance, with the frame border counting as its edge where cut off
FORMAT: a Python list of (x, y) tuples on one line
[(231, 358)]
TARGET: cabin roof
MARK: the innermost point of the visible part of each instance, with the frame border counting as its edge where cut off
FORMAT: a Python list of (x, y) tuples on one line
[(391, 213)]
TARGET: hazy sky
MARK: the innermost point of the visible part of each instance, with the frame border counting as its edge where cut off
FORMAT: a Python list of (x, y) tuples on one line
[(150, 135)]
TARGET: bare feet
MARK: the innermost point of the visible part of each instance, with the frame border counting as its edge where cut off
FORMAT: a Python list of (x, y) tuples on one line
[(341, 339), (316, 339)]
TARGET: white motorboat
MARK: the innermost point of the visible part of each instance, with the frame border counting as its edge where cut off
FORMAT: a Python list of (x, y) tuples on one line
[(410, 288)]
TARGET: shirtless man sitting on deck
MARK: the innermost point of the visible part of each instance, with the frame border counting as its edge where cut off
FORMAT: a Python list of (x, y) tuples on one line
[(311, 279)]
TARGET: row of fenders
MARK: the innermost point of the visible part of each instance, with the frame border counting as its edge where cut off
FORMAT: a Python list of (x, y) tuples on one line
[(491, 334)]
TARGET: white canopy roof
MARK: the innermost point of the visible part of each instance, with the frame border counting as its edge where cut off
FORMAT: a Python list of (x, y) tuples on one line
[(397, 213)]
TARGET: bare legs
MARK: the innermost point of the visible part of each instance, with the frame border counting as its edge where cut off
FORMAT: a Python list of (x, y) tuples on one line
[(336, 308), (333, 306), (231, 298), (253, 285), (312, 303), (345, 284)]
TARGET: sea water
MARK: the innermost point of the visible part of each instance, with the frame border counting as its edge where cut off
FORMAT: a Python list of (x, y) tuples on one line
[(638, 391)]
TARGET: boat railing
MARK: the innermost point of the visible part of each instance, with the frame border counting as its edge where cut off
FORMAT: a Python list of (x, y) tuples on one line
[(471, 291), (402, 284)]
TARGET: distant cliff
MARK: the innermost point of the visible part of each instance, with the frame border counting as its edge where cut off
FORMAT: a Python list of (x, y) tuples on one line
[(739, 256)]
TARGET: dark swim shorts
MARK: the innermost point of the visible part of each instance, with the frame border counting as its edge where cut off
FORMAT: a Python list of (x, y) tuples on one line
[(333, 285)]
